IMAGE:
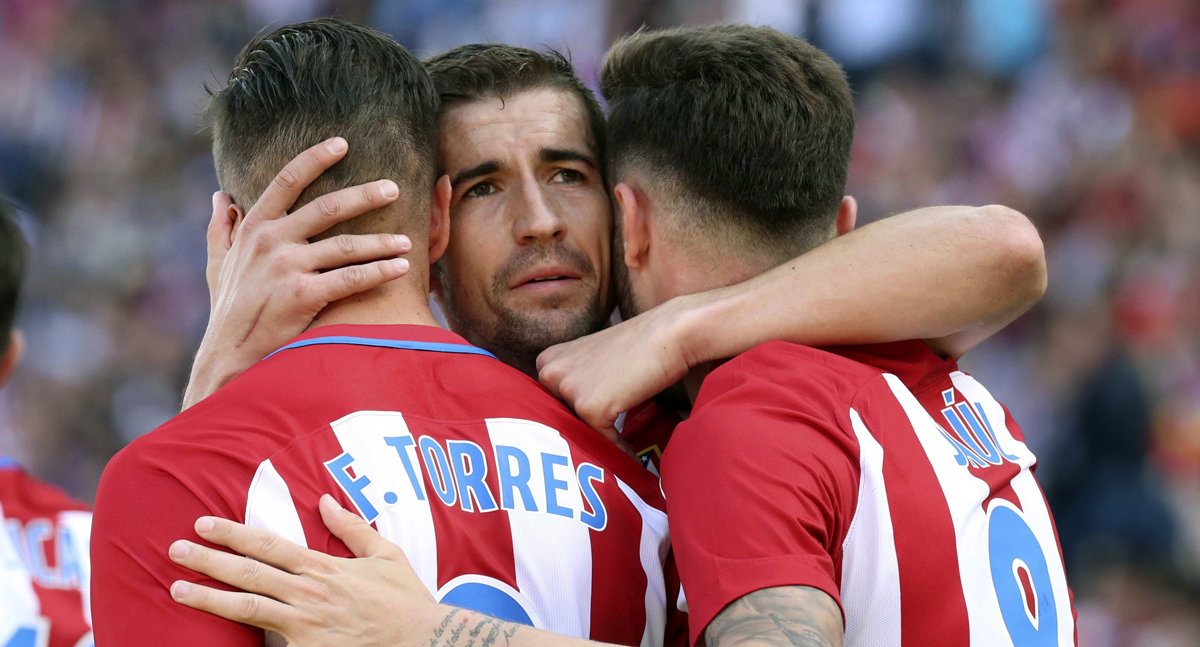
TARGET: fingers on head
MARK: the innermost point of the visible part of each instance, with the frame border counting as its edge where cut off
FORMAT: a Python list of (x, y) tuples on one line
[(283, 191)]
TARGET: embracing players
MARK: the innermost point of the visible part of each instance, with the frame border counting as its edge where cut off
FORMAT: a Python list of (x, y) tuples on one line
[(517, 190)]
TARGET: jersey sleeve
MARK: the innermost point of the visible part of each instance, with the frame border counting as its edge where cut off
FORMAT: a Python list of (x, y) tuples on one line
[(761, 483), (141, 508)]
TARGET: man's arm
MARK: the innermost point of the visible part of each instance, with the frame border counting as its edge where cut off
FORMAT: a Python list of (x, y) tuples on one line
[(785, 616), (949, 275)]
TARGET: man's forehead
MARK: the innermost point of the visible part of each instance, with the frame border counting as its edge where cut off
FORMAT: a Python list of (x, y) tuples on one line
[(513, 127)]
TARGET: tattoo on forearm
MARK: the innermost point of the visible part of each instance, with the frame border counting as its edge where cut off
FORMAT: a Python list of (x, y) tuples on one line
[(793, 616), (462, 629)]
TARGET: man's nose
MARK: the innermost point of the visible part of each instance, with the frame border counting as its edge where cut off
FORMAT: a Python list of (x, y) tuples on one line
[(538, 220)]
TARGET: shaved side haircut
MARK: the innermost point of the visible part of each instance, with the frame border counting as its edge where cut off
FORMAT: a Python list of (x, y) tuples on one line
[(304, 83)]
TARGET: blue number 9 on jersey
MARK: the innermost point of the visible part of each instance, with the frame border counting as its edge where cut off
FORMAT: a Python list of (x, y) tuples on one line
[(25, 637), (1022, 580)]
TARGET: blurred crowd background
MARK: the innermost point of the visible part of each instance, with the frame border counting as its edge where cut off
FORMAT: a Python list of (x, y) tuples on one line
[(1082, 114)]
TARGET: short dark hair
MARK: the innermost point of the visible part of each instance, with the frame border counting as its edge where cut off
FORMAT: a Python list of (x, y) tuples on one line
[(473, 72), (14, 260), (306, 82), (751, 127)]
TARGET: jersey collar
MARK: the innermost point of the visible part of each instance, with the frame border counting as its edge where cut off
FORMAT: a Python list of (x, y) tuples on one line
[(402, 337)]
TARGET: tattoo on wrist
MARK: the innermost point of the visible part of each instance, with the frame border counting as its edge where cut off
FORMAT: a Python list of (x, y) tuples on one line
[(463, 629)]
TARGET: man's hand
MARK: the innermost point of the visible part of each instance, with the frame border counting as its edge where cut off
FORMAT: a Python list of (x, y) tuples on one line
[(267, 283), (609, 372), (310, 598)]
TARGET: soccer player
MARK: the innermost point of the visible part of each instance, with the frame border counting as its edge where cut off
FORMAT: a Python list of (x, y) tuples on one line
[(504, 501), (866, 495), (875, 485), (43, 532)]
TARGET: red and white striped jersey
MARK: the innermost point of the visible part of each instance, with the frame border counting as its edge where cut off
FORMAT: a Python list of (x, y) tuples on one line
[(44, 567), (502, 500), (881, 475)]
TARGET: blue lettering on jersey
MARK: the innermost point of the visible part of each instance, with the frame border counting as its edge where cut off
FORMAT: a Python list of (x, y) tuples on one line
[(554, 485), (70, 575), (510, 481), (973, 438), (470, 470), (39, 539), (25, 637), (597, 517), (438, 468), (353, 487), (458, 473), (401, 445)]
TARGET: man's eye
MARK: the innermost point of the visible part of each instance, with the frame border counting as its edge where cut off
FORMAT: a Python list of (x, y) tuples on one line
[(569, 176), (480, 190)]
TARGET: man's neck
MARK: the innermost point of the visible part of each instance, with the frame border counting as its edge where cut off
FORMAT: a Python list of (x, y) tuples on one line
[(402, 301)]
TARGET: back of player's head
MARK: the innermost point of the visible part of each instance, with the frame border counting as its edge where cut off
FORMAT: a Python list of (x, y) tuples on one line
[(304, 83), (475, 72), (14, 257), (746, 131)]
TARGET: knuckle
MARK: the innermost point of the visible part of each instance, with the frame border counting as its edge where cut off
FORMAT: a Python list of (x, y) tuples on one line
[(282, 262), (321, 567), (247, 607), (354, 276), (297, 291), (315, 592), (262, 239), (346, 245), (251, 571), (329, 206), (267, 542), (287, 178)]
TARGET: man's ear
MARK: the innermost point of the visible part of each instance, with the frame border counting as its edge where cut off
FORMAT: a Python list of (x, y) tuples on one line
[(847, 214), (8, 361), (439, 219), (237, 215), (633, 217)]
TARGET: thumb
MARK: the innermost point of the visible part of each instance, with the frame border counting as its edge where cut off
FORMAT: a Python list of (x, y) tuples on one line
[(353, 530), (220, 227), (220, 234)]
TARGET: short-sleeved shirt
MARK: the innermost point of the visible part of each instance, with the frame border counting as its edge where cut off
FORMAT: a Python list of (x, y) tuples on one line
[(881, 475), (502, 500), (44, 567)]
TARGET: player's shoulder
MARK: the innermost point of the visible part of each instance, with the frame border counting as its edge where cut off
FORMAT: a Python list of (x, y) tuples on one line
[(782, 373), (203, 448), (792, 372), (32, 496)]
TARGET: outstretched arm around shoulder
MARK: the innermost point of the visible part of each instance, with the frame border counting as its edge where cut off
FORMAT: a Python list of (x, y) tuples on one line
[(950, 275)]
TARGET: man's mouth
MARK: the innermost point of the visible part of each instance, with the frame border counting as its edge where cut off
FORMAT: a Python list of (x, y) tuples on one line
[(546, 278)]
